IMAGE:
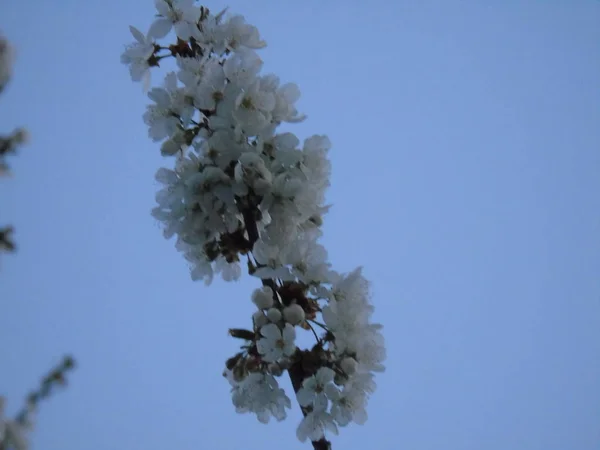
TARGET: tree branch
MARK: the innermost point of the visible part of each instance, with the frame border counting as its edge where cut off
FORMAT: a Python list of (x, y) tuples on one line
[(296, 371), (55, 377)]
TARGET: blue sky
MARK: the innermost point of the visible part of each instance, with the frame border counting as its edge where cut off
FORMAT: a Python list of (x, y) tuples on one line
[(465, 179)]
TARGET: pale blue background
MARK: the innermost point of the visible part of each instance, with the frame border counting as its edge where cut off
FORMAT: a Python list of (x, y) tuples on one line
[(466, 181)]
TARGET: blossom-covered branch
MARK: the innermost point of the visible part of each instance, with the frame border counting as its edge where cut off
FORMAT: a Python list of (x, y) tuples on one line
[(241, 193), (14, 433)]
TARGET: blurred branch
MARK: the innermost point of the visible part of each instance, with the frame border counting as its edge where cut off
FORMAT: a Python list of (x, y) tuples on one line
[(8, 146), (7, 56), (6, 242), (56, 377)]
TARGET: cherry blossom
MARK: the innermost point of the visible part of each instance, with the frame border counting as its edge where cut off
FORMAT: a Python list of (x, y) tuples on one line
[(240, 193), (138, 55), (276, 343), (318, 388)]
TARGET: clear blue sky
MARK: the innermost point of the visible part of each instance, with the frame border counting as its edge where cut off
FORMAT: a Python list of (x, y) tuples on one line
[(466, 180)]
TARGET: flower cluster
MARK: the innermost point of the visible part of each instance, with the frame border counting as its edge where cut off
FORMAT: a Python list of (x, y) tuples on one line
[(240, 191)]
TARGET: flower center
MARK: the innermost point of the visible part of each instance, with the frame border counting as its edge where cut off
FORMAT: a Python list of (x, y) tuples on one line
[(247, 103)]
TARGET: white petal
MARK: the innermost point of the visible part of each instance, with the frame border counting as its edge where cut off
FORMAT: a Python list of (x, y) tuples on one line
[(271, 331), (360, 416), (325, 375), (272, 355), (305, 397), (289, 333), (160, 28), (160, 96), (290, 92), (137, 34), (138, 71), (305, 427), (263, 416), (162, 7), (166, 176), (331, 426), (263, 346), (320, 403)]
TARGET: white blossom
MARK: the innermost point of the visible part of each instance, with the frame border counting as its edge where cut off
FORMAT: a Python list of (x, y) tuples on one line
[(285, 111), (314, 425), (242, 67), (318, 388), (136, 56), (242, 189), (183, 15), (307, 258), (252, 173), (348, 310), (349, 406), (230, 271), (171, 109), (253, 108), (211, 88), (276, 343), (235, 34), (259, 393)]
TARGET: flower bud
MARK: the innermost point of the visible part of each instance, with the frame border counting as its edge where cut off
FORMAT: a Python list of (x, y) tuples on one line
[(263, 297), (293, 314), (274, 315), (259, 319)]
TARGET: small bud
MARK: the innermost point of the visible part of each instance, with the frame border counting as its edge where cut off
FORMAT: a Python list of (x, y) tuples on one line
[(293, 314), (263, 297), (274, 315), (348, 365), (259, 319)]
